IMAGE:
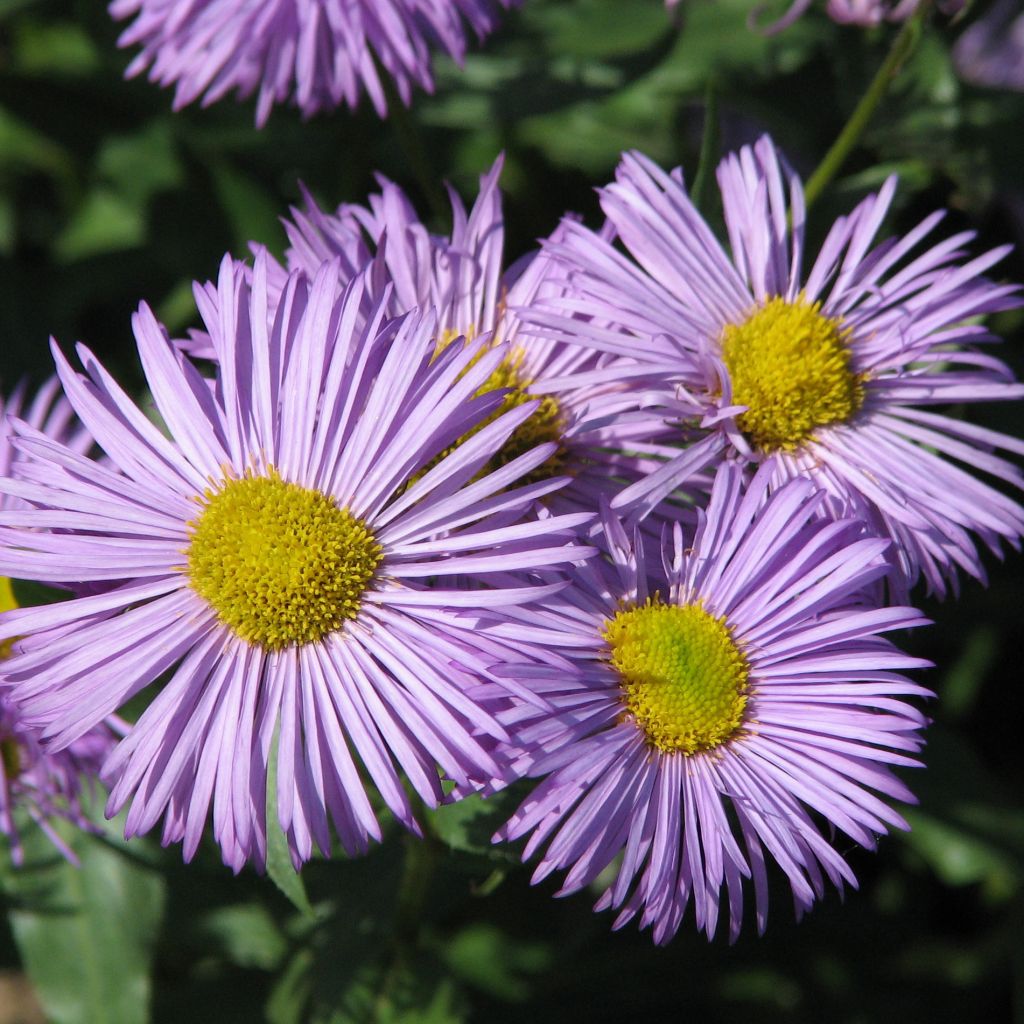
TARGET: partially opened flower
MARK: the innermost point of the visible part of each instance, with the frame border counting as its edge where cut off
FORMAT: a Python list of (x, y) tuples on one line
[(829, 372), (732, 704), (34, 783), (464, 276), (316, 54), (267, 561)]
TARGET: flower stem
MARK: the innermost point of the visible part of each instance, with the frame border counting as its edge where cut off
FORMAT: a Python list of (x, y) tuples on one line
[(419, 866), (903, 46)]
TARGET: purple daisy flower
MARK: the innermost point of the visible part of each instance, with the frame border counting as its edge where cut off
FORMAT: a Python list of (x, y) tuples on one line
[(39, 784), (316, 53), (828, 373), (586, 404), (732, 702), (991, 51), (267, 562)]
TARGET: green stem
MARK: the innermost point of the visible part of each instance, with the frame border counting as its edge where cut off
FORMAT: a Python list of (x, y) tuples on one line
[(709, 149), (419, 865), (421, 857), (903, 46)]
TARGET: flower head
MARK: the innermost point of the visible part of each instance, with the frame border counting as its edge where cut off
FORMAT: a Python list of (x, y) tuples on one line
[(462, 275), (268, 560), (33, 781), (730, 702), (315, 54), (828, 372)]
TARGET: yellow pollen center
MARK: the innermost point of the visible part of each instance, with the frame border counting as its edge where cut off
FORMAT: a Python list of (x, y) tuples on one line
[(684, 680), (10, 751), (281, 564), (790, 365), (8, 602), (545, 424)]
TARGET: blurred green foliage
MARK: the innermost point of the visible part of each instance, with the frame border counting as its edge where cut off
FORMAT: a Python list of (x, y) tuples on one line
[(107, 199)]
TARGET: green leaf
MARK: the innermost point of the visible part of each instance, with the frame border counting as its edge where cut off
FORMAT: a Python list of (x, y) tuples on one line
[(142, 165), (967, 829), (290, 997), (252, 211), (86, 934), (963, 681), (29, 593), (469, 824), (408, 992), (247, 933), (105, 222), (960, 857), (500, 965), (58, 49), (23, 146), (279, 861)]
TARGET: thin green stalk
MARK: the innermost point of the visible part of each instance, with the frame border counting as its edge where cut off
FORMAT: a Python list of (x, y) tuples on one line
[(421, 859), (903, 46), (710, 147), (418, 869)]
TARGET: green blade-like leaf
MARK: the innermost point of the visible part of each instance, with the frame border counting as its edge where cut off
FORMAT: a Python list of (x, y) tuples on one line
[(279, 862), (86, 934)]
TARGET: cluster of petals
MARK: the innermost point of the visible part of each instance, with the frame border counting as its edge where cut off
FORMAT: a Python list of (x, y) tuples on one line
[(36, 783), (45, 786), (362, 369), (462, 275), (912, 474), (826, 717), (362, 411), (990, 52), (317, 54)]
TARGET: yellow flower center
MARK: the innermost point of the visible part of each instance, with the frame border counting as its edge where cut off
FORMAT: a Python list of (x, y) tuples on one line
[(10, 752), (683, 678), (545, 424), (281, 564), (790, 366), (8, 602)]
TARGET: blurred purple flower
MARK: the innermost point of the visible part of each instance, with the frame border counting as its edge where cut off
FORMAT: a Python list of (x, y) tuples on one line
[(732, 703), (820, 373), (991, 51), (317, 54), (864, 13), (270, 559)]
